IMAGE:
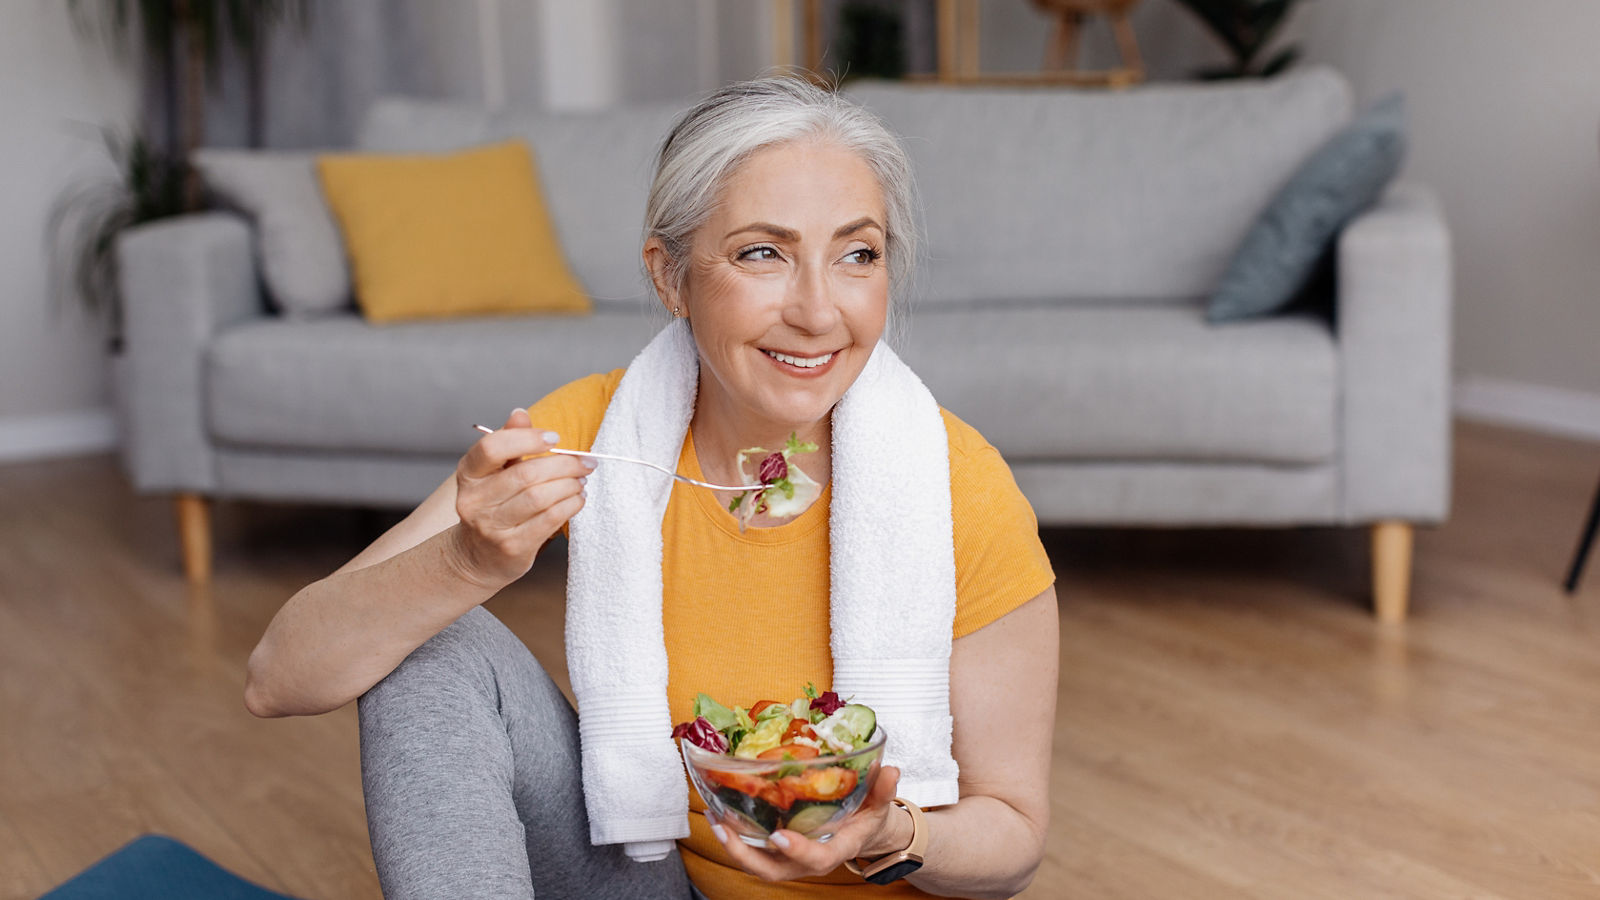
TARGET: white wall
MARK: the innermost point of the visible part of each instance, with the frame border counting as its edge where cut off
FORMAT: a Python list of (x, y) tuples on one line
[(1505, 111), (54, 90)]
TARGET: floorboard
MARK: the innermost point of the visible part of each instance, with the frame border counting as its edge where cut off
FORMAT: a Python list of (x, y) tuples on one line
[(1232, 721)]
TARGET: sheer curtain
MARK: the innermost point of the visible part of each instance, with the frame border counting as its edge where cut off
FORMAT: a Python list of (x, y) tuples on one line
[(312, 85)]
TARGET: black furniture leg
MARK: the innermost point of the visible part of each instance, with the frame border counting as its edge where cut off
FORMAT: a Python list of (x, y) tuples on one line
[(1584, 545)]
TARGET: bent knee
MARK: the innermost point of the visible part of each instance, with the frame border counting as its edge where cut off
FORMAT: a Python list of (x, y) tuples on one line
[(457, 660)]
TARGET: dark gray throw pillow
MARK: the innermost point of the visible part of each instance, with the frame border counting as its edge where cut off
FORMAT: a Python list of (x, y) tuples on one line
[(1281, 251)]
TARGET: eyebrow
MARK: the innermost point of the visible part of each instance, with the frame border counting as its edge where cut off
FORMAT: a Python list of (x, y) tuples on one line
[(789, 234), (857, 225)]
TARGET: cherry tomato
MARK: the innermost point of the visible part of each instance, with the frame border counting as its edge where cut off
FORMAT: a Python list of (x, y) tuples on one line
[(756, 710), (799, 728), (778, 794), (824, 785), (742, 782)]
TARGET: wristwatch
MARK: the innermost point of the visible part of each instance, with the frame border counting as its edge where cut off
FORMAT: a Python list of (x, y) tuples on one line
[(895, 866)]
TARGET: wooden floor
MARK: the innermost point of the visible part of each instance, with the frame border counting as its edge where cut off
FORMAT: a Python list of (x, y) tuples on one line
[(1232, 721)]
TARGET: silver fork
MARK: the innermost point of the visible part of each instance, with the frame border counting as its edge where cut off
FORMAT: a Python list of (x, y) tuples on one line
[(644, 462)]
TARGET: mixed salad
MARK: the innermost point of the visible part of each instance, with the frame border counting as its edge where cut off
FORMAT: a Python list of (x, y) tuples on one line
[(793, 793), (788, 490)]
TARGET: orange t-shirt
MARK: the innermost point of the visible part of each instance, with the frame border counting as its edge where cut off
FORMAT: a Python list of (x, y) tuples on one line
[(746, 614)]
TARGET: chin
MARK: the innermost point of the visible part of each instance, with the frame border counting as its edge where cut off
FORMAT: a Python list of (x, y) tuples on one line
[(797, 416)]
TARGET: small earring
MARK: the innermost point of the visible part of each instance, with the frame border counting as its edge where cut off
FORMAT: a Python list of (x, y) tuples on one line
[(676, 314)]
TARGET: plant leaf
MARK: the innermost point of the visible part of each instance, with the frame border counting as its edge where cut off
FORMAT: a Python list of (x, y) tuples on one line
[(1283, 59)]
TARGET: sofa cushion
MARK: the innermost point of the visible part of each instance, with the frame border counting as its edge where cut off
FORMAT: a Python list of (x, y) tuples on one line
[(1133, 381), (594, 168), (440, 235), (1058, 194), (297, 240), (1150, 381), (342, 384), (1345, 176)]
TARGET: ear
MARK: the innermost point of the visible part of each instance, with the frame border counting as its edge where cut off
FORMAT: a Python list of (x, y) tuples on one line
[(659, 265)]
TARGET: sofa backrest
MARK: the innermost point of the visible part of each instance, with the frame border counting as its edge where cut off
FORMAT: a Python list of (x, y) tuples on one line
[(594, 168), (1028, 193), (1051, 194)]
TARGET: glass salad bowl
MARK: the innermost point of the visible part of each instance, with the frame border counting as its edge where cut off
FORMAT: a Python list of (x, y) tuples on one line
[(812, 797)]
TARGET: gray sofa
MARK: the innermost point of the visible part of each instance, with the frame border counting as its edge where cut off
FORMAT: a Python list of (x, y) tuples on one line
[(1071, 240)]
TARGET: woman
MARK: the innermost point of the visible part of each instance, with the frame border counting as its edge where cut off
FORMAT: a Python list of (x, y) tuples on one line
[(779, 219)]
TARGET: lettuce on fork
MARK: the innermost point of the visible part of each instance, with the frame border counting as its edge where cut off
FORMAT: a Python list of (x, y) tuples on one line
[(788, 490)]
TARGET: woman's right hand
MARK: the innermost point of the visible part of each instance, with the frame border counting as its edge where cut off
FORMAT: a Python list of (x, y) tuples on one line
[(509, 506)]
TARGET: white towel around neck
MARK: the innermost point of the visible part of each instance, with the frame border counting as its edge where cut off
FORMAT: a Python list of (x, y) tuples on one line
[(892, 589)]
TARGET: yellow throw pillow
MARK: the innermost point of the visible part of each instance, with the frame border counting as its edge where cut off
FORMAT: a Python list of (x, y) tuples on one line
[(437, 235)]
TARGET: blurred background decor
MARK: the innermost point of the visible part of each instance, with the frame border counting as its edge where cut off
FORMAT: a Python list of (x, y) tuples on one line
[(184, 40), (1246, 28), (147, 184), (181, 43), (1061, 54), (872, 40), (944, 40)]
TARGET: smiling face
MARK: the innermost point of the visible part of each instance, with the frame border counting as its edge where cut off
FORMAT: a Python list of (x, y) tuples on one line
[(786, 288)]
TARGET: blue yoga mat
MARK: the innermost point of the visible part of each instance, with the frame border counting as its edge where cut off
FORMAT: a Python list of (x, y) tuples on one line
[(159, 868)]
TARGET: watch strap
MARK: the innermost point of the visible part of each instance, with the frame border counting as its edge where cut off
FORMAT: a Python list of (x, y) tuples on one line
[(894, 866)]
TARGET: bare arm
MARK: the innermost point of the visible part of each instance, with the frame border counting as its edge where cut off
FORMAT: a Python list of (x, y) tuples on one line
[(479, 531), (989, 844), (1003, 697)]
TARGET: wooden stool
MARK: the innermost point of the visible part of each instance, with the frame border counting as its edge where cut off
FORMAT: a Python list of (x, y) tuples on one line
[(1061, 54)]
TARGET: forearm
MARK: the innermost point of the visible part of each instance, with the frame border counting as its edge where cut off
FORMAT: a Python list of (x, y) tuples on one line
[(980, 847), (341, 635)]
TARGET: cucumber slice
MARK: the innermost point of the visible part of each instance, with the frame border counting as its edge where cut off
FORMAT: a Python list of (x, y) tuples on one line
[(860, 720), (811, 818)]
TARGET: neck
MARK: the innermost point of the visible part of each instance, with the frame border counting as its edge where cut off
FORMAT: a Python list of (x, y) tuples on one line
[(720, 432)]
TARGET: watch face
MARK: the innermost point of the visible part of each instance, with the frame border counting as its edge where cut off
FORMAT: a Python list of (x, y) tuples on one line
[(895, 872)]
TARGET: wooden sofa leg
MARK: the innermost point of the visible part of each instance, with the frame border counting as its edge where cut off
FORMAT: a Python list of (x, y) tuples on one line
[(194, 536), (1391, 569)]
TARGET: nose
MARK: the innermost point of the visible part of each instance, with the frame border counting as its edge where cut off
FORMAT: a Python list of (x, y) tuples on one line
[(810, 306)]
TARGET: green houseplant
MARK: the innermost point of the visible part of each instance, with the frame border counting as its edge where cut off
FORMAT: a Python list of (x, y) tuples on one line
[(146, 185), (186, 40), (1246, 28)]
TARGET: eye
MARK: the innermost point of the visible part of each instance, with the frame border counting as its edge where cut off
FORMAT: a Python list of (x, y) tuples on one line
[(866, 256), (759, 253)]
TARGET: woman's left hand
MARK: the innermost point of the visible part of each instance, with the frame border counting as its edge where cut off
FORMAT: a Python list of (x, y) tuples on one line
[(795, 856)]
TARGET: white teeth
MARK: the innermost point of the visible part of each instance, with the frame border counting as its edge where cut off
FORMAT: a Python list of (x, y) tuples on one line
[(800, 361)]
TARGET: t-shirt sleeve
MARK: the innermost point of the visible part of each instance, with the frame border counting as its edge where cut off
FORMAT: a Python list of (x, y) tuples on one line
[(1000, 561), (574, 410)]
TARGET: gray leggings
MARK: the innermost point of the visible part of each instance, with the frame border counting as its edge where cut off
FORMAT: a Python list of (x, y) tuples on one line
[(469, 762)]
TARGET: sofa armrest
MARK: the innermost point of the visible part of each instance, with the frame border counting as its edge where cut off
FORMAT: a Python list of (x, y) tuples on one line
[(1393, 321), (183, 280)]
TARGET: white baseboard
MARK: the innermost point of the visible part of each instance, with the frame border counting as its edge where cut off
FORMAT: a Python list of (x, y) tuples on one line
[(57, 434), (1535, 407)]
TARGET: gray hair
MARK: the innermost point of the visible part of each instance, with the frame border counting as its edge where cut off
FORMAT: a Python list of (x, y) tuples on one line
[(723, 130)]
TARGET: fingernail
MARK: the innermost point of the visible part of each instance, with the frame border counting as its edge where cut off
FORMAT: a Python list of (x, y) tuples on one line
[(551, 438), (519, 410), (779, 840), (583, 480), (720, 832), (589, 463)]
